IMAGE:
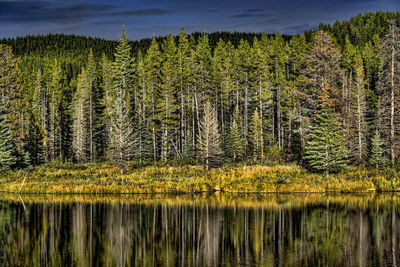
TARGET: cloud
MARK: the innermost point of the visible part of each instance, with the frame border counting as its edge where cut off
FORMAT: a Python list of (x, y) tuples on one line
[(298, 28), (26, 11), (249, 13), (140, 12), (41, 11)]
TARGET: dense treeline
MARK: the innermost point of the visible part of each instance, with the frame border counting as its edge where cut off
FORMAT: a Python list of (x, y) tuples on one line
[(313, 98)]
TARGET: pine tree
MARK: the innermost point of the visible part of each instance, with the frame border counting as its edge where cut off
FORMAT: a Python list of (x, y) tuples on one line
[(121, 128), (243, 69), (377, 159), (279, 80), (189, 152), (325, 151), (358, 111), (184, 81), (256, 136), (152, 73), (389, 80), (40, 117), (262, 79), (321, 75), (297, 123), (94, 108), (142, 141), (167, 105), (8, 152), (55, 93), (236, 140), (81, 120), (12, 96), (209, 150)]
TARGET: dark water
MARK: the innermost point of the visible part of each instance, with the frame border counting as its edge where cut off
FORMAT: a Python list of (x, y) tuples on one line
[(214, 230)]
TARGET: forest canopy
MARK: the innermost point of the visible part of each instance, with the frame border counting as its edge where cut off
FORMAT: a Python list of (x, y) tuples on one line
[(325, 98)]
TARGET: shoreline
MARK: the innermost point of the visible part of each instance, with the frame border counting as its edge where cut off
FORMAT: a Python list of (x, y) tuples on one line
[(106, 178)]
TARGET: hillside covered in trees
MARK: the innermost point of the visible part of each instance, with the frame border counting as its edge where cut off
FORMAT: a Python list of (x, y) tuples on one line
[(324, 99)]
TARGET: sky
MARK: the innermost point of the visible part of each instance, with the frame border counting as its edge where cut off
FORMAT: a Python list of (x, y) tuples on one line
[(145, 18)]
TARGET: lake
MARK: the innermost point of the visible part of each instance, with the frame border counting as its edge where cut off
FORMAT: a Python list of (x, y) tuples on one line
[(200, 230)]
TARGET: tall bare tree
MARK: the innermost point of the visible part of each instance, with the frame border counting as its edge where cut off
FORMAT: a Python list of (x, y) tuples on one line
[(389, 87), (209, 149)]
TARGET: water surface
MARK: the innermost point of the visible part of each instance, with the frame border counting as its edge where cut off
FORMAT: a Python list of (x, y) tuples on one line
[(200, 230)]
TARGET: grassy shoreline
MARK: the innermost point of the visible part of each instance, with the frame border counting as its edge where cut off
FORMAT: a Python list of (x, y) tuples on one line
[(106, 179)]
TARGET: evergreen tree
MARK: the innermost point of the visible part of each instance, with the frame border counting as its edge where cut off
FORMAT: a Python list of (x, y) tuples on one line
[(377, 159), (81, 120), (209, 150), (184, 81), (106, 101), (244, 69), (142, 141), (278, 63), (167, 106), (55, 93), (325, 151), (94, 107), (8, 152), (256, 136), (12, 96), (189, 152), (358, 112), (152, 73), (262, 79), (121, 128), (389, 78), (40, 124), (236, 140), (321, 75)]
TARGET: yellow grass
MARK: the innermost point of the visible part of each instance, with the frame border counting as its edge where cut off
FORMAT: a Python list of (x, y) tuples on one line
[(107, 178)]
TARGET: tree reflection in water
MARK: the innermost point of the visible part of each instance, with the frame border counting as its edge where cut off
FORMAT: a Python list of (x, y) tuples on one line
[(200, 230)]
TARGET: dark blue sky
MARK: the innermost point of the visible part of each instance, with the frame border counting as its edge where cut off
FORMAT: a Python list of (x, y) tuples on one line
[(143, 18)]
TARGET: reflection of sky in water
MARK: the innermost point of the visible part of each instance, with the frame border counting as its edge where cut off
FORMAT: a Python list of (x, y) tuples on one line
[(200, 230), (144, 18)]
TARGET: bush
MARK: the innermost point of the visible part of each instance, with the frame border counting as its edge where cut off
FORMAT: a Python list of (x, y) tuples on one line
[(274, 155)]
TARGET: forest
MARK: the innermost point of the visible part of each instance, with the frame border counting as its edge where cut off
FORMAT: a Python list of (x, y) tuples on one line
[(325, 99)]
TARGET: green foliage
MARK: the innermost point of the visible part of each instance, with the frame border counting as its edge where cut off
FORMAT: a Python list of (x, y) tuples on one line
[(274, 155), (236, 138), (256, 136), (189, 152), (377, 159), (142, 142), (264, 89), (8, 151), (325, 151), (121, 128)]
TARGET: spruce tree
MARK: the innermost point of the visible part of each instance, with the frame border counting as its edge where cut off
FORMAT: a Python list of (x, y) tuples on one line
[(81, 120), (121, 128), (389, 79), (167, 105), (40, 120), (189, 152), (94, 108), (325, 151), (142, 141), (8, 152), (236, 140), (106, 102), (12, 96), (55, 93), (152, 65), (209, 150), (256, 136), (377, 159)]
